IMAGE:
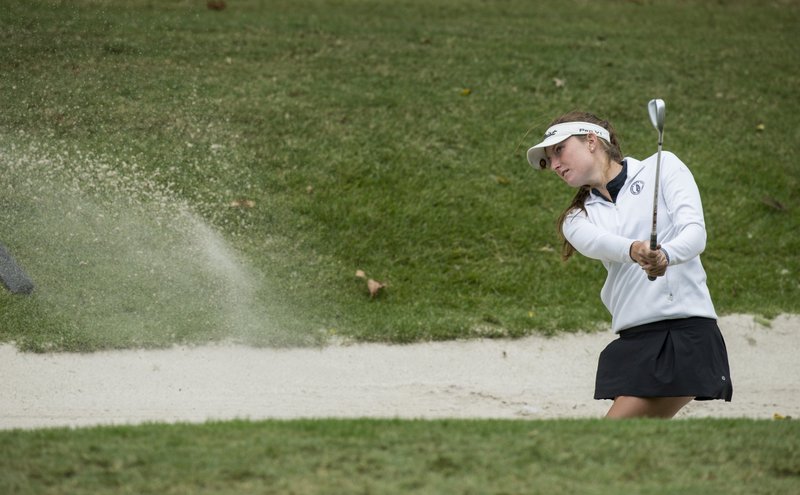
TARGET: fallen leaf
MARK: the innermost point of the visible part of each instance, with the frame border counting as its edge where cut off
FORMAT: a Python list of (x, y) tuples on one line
[(216, 5), (559, 82), (466, 92), (546, 249), (374, 286), (773, 203), (309, 189), (503, 181), (760, 127)]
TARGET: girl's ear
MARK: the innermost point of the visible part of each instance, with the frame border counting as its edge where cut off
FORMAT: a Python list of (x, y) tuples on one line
[(591, 140)]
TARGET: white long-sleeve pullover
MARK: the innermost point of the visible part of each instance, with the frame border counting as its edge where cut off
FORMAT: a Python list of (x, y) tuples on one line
[(606, 230)]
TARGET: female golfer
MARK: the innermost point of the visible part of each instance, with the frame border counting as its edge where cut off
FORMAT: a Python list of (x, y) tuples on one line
[(670, 350)]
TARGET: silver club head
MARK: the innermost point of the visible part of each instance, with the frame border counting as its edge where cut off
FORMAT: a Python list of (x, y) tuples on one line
[(657, 109)]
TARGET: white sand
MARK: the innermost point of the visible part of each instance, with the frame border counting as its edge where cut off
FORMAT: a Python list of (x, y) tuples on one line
[(534, 377)]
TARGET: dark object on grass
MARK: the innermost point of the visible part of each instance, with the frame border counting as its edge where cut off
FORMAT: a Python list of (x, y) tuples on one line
[(11, 274), (216, 5), (773, 203)]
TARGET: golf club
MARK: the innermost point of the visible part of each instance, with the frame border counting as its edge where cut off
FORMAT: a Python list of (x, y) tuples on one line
[(657, 109)]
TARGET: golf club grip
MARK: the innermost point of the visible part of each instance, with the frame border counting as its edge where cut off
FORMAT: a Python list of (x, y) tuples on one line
[(653, 247)]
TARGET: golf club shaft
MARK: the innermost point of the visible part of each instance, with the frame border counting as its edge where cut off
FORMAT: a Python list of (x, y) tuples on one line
[(654, 231)]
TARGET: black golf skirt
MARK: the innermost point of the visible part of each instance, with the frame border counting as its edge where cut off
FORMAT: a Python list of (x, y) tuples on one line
[(671, 358)]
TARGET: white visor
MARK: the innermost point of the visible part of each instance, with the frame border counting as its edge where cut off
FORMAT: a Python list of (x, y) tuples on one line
[(558, 133)]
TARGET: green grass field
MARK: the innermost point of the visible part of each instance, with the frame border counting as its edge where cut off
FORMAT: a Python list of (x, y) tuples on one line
[(400, 457), (175, 174), (386, 137)]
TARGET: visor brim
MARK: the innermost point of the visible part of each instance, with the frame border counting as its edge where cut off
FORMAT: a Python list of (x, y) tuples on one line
[(536, 156)]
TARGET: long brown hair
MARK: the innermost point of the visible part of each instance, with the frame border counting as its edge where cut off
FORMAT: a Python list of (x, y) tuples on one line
[(613, 152)]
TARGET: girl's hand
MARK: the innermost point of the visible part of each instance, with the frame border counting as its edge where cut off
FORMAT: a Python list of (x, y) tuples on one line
[(654, 263)]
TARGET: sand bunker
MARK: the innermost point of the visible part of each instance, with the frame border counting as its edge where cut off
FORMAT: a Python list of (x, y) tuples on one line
[(535, 377)]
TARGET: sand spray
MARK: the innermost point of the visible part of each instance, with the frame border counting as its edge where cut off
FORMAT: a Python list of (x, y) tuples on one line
[(119, 259)]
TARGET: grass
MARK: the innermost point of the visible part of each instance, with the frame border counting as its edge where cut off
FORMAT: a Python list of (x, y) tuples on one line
[(386, 137), (389, 456)]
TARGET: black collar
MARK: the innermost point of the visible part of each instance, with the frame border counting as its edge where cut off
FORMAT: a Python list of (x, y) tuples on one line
[(615, 186)]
